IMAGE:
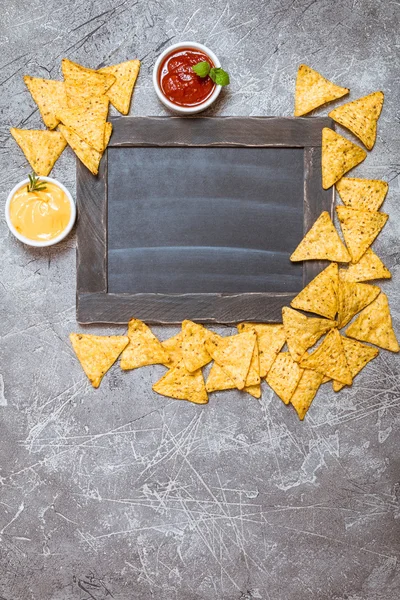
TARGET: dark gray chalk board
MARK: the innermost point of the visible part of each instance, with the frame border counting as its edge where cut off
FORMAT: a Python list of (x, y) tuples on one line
[(196, 218), (204, 220)]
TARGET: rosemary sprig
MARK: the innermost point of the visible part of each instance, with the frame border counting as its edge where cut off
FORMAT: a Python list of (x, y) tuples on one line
[(35, 184)]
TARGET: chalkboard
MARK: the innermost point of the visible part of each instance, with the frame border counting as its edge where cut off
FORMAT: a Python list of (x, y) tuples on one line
[(197, 217)]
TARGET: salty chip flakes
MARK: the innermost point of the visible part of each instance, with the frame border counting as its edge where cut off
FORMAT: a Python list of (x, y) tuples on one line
[(339, 155), (194, 351), (284, 376), (352, 298), (180, 384), (305, 391), (97, 353), (173, 346), (86, 154), (368, 267), (50, 97), (329, 359), (361, 117), (374, 325), (357, 356), (313, 90), (320, 295), (302, 332), (82, 84), (360, 228), (120, 92), (233, 354), (365, 194), (41, 148), (322, 242), (270, 340), (88, 121), (143, 348)]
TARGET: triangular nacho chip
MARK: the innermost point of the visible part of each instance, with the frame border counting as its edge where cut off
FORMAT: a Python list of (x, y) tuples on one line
[(320, 295), (322, 242), (97, 353), (302, 332), (374, 325), (313, 90), (339, 155), (357, 356), (284, 376), (86, 154), (270, 340), (41, 148), (361, 117), (82, 84), (253, 390), (143, 348), (360, 228), (305, 391), (178, 383), (218, 380), (253, 376), (120, 92), (329, 359), (352, 298), (50, 97), (233, 354), (367, 268), (173, 346), (364, 194), (88, 121), (194, 351)]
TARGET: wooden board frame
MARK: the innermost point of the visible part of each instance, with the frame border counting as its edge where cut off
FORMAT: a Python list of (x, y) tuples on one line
[(96, 305)]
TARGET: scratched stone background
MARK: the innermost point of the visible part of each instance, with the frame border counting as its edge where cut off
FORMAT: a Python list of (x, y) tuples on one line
[(119, 493)]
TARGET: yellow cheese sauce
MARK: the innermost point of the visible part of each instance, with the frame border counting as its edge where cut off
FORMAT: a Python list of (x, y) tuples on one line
[(40, 216)]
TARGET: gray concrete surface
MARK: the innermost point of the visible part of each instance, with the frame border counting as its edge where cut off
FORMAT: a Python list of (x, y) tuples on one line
[(118, 493)]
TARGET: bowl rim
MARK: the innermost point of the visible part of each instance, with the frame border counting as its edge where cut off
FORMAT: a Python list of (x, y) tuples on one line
[(36, 243), (185, 109)]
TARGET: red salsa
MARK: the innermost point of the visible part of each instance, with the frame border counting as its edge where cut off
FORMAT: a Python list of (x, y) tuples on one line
[(179, 83)]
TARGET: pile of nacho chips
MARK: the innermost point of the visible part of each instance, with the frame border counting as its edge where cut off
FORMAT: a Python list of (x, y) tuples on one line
[(78, 108)]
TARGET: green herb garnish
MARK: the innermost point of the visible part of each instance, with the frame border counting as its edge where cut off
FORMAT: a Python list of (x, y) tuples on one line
[(35, 184), (218, 75)]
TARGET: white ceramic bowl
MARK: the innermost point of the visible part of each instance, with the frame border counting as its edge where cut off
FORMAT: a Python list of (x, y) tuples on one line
[(185, 110), (35, 243)]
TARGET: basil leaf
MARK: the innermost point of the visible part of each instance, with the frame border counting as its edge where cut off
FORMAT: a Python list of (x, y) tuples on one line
[(219, 76), (202, 69)]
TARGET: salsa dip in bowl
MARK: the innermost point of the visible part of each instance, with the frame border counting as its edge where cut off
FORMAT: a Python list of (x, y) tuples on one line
[(177, 85), (40, 211)]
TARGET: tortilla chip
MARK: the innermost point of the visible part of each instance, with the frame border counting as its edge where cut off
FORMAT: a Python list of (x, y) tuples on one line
[(86, 154), (322, 242), (329, 359), (326, 379), (313, 90), (305, 391), (173, 346), (361, 117), (88, 121), (253, 376), (338, 156), (41, 148), (120, 93), (365, 194), (357, 356), (178, 383), (284, 376), (97, 353), (50, 97), (302, 332), (218, 380), (253, 390), (270, 340), (320, 295), (367, 268), (82, 84), (194, 351), (360, 228), (233, 354), (143, 348), (352, 298), (374, 325)]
